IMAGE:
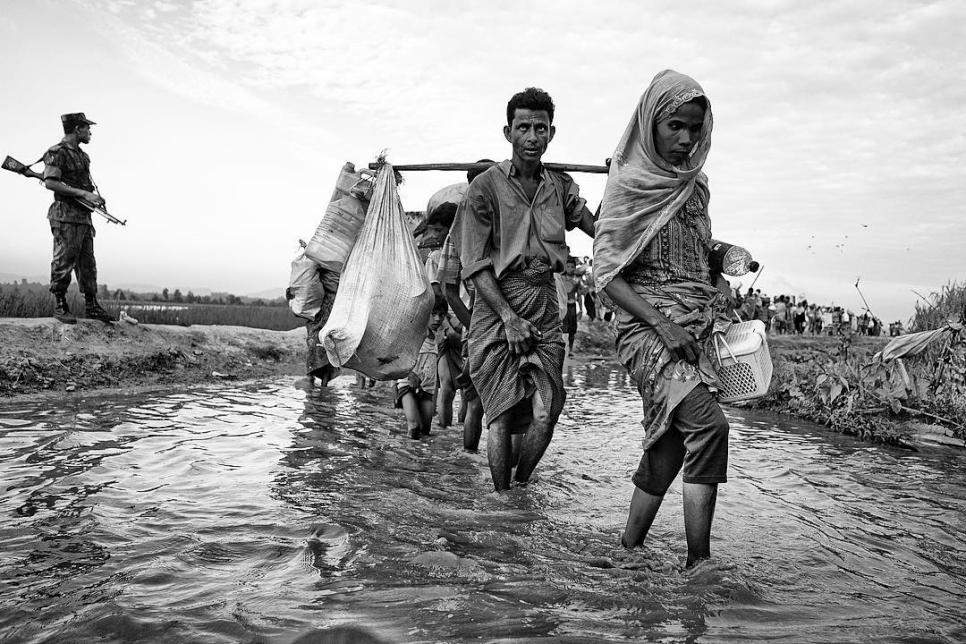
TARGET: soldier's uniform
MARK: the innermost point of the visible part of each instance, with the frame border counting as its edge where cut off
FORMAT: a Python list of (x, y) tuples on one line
[(70, 222), (71, 225)]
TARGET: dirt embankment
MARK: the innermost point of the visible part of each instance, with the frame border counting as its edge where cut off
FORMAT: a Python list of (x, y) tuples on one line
[(41, 356)]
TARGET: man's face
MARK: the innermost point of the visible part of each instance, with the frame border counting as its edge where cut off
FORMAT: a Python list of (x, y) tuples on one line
[(529, 134), (436, 231), (83, 133), (675, 137), (570, 268)]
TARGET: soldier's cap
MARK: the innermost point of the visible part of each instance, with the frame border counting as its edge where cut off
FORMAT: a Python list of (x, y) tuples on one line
[(76, 117)]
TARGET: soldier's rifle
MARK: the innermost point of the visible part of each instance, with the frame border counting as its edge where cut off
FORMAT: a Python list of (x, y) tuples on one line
[(16, 167)]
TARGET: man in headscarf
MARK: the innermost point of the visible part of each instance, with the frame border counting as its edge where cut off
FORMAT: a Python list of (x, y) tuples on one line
[(651, 258), (509, 233)]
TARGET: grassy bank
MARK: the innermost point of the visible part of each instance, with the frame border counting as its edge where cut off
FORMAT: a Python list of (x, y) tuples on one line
[(838, 382)]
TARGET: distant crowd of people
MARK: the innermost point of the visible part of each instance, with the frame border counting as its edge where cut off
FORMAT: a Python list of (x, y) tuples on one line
[(788, 315), (782, 315)]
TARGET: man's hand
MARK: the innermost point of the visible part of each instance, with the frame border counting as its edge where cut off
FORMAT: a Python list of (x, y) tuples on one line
[(94, 199), (679, 342), (521, 335)]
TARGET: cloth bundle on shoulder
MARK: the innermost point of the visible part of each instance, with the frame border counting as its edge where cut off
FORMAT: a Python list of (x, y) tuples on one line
[(305, 291), (343, 218), (381, 311)]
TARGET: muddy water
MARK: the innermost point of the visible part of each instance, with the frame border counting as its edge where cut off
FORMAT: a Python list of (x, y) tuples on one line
[(255, 512)]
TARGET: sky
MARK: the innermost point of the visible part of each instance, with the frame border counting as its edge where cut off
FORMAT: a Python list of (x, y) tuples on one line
[(838, 154)]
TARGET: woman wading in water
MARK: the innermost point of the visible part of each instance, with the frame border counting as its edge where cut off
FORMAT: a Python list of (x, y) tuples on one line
[(651, 258)]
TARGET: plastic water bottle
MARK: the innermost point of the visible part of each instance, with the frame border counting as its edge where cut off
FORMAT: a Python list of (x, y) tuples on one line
[(730, 259)]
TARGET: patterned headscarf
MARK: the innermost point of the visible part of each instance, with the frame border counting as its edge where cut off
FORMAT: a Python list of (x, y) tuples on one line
[(643, 190)]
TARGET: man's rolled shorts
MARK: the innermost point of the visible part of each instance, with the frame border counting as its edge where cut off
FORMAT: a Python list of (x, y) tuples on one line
[(421, 381), (697, 440)]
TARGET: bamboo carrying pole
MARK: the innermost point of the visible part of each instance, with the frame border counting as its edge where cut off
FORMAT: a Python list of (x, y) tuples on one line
[(559, 167)]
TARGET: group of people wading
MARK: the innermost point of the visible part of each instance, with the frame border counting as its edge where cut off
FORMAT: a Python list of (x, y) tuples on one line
[(652, 237), (501, 341)]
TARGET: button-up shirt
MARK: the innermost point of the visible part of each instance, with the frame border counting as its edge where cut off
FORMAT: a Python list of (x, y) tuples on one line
[(497, 227)]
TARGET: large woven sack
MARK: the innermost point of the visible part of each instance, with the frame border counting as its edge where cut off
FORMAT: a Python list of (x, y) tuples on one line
[(305, 288), (381, 311), (343, 219), (450, 194)]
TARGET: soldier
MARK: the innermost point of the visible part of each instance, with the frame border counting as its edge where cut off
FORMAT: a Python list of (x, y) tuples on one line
[(67, 175)]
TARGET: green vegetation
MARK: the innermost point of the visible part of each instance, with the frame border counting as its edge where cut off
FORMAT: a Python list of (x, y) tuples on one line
[(948, 305), (842, 382), (34, 301)]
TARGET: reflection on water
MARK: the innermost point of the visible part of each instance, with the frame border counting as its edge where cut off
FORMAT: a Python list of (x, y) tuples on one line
[(252, 513)]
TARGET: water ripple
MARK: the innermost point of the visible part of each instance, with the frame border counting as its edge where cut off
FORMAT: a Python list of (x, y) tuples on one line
[(253, 512)]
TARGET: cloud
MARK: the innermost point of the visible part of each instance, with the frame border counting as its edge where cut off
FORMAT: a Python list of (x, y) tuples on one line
[(827, 114)]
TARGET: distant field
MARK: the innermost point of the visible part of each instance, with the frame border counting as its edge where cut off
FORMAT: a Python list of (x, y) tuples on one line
[(34, 301)]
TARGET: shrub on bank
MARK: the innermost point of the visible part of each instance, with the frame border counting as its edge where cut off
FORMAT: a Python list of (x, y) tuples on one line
[(949, 304), (838, 382)]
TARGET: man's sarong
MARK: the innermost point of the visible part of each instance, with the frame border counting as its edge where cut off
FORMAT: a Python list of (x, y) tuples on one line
[(463, 380), (502, 379), (663, 382)]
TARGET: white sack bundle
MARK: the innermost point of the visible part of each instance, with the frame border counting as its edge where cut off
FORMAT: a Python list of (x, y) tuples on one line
[(382, 308), (343, 218)]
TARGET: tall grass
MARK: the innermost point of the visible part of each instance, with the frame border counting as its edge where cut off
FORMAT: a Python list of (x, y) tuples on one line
[(948, 305), (35, 301)]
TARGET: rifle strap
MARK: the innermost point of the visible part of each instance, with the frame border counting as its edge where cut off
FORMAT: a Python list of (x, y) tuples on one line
[(96, 190)]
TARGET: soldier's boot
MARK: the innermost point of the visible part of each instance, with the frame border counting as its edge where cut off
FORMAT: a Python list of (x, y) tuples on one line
[(94, 311), (62, 310)]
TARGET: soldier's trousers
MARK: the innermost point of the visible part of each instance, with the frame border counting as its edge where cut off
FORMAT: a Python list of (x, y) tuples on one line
[(73, 252)]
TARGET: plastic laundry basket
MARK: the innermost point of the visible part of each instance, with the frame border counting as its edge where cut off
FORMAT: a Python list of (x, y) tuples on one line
[(744, 364)]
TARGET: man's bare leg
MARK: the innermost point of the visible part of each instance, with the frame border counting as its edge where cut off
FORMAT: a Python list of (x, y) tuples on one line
[(498, 452), (640, 517), (410, 407), (426, 410), (535, 440), (473, 424), (699, 503), (445, 393)]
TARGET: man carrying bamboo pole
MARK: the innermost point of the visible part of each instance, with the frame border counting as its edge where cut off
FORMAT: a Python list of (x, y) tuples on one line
[(67, 175), (509, 233)]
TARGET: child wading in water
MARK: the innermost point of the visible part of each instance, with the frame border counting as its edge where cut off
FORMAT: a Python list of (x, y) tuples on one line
[(416, 393)]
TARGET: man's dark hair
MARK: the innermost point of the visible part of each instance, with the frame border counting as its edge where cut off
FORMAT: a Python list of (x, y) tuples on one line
[(70, 126), (472, 174), (532, 98), (442, 215)]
